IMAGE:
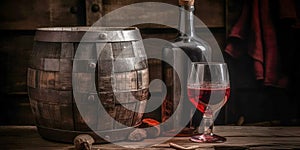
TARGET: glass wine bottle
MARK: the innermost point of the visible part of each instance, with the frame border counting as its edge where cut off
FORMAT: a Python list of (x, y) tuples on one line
[(187, 43), (196, 48)]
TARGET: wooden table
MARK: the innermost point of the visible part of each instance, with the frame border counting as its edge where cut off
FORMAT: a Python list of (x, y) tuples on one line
[(238, 137)]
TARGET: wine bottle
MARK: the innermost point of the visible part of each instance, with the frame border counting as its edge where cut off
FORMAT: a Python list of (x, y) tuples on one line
[(187, 43)]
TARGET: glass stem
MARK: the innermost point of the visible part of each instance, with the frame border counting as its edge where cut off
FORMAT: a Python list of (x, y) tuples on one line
[(208, 121)]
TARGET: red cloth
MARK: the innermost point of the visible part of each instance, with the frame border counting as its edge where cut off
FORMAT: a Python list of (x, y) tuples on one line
[(255, 34)]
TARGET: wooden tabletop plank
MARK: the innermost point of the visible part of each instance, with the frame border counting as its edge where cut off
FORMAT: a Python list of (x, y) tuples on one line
[(238, 137), (257, 131)]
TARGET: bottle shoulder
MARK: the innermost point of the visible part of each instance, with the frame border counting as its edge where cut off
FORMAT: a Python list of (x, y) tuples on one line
[(191, 42)]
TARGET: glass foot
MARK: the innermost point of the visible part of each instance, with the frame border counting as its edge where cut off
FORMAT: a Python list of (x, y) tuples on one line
[(208, 138)]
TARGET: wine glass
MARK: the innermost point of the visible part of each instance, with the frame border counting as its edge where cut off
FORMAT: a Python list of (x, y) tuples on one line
[(208, 90)]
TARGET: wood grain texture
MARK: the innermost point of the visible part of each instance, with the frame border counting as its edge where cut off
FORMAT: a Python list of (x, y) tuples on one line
[(210, 12), (72, 12), (94, 10), (238, 137), (28, 15)]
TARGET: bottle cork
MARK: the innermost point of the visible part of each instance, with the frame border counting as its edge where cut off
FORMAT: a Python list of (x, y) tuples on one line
[(186, 2)]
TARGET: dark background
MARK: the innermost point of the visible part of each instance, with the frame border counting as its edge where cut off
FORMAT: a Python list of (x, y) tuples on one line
[(251, 103)]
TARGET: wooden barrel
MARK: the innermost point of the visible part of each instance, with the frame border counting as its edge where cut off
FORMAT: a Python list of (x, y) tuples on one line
[(110, 65)]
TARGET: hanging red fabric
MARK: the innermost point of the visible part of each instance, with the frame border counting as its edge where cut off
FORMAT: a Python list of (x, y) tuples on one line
[(255, 34)]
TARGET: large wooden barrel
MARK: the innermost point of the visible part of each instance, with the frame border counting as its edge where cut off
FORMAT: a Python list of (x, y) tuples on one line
[(112, 58)]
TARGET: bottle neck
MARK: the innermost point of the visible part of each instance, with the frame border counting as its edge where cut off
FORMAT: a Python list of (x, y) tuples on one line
[(186, 24)]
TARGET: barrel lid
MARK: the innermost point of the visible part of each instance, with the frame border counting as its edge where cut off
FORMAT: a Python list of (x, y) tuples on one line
[(87, 34)]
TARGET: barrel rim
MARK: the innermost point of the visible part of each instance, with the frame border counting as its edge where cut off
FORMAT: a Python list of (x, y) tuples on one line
[(83, 29), (87, 34)]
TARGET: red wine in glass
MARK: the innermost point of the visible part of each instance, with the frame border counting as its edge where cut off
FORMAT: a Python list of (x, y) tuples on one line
[(200, 97)]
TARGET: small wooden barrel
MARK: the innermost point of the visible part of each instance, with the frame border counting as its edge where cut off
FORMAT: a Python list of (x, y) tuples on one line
[(110, 60)]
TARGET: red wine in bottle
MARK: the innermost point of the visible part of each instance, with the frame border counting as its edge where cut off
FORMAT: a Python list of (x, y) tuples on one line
[(175, 74)]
